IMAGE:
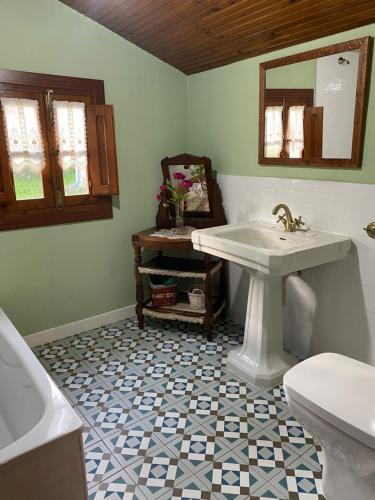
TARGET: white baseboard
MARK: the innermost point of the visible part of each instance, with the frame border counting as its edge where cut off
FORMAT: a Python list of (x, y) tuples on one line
[(80, 326)]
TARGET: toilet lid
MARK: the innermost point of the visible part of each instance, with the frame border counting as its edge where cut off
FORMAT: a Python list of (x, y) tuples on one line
[(338, 389)]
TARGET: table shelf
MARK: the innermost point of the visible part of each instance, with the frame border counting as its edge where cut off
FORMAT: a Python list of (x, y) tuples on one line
[(180, 267)]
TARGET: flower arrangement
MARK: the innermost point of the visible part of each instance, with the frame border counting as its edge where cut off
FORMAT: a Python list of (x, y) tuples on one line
[(174, 194)]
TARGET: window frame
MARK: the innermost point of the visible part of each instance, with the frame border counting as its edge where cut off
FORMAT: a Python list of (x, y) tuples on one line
[(83, 207)]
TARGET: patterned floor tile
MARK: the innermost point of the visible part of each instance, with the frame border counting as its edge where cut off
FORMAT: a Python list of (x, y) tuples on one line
[(80, 380), (277, 393), (203, 405), (111, 333), (232, 479), (157, 472), (108, 420), (146, 402), (142, 356), (122, 347), (164, 418), (90, 398), (115, 487), (291, 432), (233, 390), (130, 444), (170, 423), (89, 436), (303, 484), (65, 366), (179, 387), (96, 353), (112, 368), (315, 457), (269, 491), (186, 358), (53, 352), (233, 427), (208, 373), (84, 342), (149, 335), (126, 383), (191, 491), (167, 346), (100, 463), (159, 370), (211, 348)]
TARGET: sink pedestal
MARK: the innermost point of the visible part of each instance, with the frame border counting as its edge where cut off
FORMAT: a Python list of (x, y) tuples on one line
[(261, 360)]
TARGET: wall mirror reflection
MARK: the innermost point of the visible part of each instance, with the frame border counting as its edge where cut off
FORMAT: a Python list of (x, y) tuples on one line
[(312, 106)]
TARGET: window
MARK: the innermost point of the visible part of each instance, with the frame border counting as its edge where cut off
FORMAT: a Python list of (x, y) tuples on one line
[(274, 136), (57, 150), (285, 109)]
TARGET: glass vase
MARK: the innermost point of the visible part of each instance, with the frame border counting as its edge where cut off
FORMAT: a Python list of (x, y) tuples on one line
[(179, 218)]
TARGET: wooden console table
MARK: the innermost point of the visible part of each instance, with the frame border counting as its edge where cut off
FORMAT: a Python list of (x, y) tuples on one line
[(179, 267)]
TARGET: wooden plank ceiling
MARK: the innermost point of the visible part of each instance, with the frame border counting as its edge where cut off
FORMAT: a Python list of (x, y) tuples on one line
[(196, 35)]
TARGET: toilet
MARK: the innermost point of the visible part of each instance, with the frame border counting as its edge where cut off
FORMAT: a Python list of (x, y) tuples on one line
[(333, 398)]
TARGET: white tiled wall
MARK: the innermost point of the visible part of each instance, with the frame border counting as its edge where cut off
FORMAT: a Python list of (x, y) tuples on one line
[(331, 307)]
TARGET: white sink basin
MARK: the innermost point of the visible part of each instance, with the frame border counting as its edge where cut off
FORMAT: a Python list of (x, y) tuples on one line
[(268, 248), (267, 252)]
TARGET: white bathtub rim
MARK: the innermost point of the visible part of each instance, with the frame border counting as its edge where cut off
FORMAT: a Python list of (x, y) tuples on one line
[(58, 418)]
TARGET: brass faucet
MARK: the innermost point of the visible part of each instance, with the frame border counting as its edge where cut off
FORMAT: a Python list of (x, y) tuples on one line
[(290, 225)]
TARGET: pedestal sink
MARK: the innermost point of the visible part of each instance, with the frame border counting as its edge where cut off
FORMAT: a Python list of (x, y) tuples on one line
[(268, 253)]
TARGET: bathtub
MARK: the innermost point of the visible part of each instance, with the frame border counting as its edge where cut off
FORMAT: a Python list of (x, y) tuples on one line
[(41, 454)]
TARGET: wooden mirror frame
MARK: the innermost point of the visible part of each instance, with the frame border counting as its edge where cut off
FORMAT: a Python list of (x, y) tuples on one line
[(214, 217), (363, 45), (187, 159)]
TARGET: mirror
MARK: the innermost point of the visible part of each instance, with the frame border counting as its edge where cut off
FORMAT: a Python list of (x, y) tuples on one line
[(312, 107), (196, 194), (203, 206), (197, 170)]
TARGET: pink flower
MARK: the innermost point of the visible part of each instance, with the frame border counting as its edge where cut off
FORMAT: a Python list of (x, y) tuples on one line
[(179, 176), (158, 197), (186, 183), (163, 187)]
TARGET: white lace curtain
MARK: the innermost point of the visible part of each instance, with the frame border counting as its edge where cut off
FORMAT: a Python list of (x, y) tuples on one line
[(273, 142), (294, 134), (70, 123), (23, 134)]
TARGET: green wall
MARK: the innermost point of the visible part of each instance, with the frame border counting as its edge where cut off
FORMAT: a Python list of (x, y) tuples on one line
[(53, 275), (223, 118), (57, 274)]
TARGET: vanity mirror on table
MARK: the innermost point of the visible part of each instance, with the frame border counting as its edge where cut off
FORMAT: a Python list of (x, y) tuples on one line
[(202, 205), (184, 284), (312, 107)]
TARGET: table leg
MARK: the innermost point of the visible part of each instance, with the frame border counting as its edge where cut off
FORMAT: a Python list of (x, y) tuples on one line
[(139, 287), (208, 320)]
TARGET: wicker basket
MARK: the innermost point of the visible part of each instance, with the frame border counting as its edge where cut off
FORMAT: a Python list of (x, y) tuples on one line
[(163, 292), (196, 298)]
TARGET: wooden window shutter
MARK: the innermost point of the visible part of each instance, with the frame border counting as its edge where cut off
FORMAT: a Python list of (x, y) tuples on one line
[(6, 189), (313, 133), (6, 181), (102, 149)]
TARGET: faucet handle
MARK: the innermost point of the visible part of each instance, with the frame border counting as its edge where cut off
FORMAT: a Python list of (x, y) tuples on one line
[(298, 221)]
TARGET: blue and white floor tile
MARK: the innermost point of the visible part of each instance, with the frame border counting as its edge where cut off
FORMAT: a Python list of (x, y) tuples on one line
[(163, 418)]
